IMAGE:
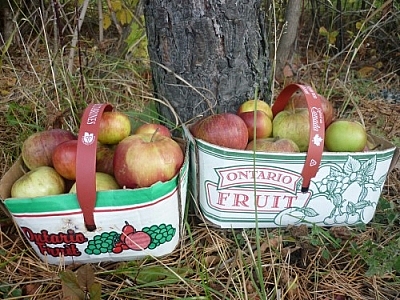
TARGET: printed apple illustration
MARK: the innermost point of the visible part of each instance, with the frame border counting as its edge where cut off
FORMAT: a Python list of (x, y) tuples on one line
[(275, 144), (345, 136), (294, 125), (104, 159), (39, 182), (225, 129), (104, 182), (259, 120), (141, 160), (114, 127), (138, 240), (64, 159), (38, 148), (132, 239), (298, 100), (151, 128), (252, 105)]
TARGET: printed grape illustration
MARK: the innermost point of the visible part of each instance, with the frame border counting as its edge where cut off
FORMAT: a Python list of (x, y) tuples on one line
[(130, 239), (102, 243), (159, 234)]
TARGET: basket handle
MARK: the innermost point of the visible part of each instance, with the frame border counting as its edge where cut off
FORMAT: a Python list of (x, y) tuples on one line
[(86, 161), (317, 128)]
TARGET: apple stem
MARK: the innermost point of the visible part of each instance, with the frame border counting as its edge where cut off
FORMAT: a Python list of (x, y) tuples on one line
[(154, 134)]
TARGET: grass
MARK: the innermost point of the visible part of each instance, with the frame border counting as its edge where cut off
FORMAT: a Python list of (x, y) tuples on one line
[(209, 263)]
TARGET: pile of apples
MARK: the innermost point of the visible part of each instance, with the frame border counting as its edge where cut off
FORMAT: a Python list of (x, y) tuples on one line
[(123, 159), (254, 127)]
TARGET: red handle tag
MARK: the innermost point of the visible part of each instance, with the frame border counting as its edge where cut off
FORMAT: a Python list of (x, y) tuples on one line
[(86, 161), (317, 128)]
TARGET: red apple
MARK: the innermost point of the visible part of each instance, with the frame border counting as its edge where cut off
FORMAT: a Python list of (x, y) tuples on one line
[(298, 100), (225, 129), (64, 159), (141, 160), (293, 125), (38, 148), (260, 120), (114, 127), (39, 182), (273, 145), (104, 158), (345, 136), (252, 105), (104, 182), (151, 128)]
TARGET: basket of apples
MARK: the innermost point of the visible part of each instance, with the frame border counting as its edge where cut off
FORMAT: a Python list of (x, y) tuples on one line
[(105, 194), (288, 164)]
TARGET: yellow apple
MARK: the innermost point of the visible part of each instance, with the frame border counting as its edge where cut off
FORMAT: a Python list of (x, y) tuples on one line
[(252, 105)]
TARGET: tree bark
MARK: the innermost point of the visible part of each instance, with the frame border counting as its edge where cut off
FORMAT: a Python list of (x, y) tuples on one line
[(284, 52), (207, 55), (6, 26)]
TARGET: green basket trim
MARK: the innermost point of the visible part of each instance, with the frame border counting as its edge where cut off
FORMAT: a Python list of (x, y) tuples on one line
[(114, 198)]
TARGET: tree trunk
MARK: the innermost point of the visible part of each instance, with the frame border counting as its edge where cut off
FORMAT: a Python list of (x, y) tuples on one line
[(207, 55), (284, 52), (6, 26)]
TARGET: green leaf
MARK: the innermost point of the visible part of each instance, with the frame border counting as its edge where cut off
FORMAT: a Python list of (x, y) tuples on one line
[(124, 16), (351, 165), (309, 212), (363, 194), (362, 204), (95, 291), (152, 274), (331, 186), (116, 5), (380, 181), (368, 168), (337, 199), (323, 31), (334, 172), (106, 21), (351, 209)]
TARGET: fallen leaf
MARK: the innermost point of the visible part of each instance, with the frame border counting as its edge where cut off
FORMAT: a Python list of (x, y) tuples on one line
[(70, 286), (85, 276), (366, 72)]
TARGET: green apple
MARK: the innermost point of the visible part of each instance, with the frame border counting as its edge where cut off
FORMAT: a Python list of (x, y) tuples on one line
[(345, 136), (104, 182), (114, 127), (294, 125), (39, 182)]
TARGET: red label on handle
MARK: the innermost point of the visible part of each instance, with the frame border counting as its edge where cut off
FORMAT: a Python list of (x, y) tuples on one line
[(86, 161), (317, 128)]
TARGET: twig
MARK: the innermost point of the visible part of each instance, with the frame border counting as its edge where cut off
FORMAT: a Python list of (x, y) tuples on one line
[(101, 20), (76, 35)]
